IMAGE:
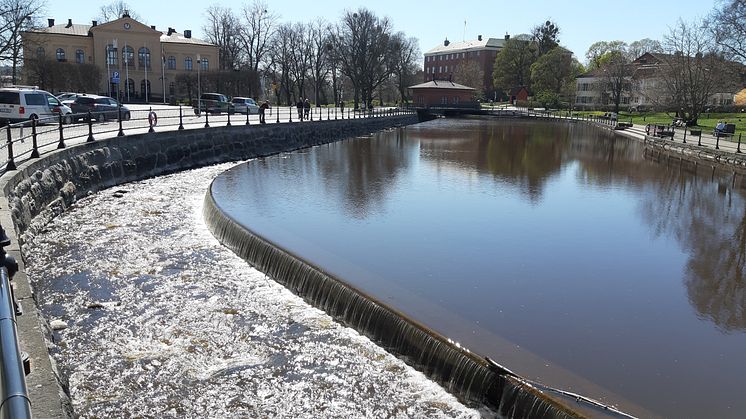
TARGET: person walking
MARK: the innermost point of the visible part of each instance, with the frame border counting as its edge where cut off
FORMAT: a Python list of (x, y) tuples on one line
[(262, 109), (299, 107), (306, 108)]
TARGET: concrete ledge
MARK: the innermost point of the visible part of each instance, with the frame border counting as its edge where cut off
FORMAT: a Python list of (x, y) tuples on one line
[(43, 188)]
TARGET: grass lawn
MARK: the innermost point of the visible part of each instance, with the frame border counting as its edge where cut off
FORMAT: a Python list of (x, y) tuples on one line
[(706, 121)]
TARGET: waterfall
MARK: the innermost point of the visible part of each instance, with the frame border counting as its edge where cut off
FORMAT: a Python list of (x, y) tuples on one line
[(471, 378)]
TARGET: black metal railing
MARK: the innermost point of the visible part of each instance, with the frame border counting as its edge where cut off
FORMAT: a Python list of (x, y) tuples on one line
[(30, 139)]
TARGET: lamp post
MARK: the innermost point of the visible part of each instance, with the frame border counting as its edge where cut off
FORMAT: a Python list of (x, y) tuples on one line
[(199, 86)]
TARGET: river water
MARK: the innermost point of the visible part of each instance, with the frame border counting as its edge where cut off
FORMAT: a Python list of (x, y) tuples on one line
[(165, 322), (556, 249)]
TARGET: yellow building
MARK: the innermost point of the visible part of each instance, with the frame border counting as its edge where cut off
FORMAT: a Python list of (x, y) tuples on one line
[(133, 61)]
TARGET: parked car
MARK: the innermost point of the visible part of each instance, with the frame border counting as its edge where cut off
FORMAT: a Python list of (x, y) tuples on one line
[(102, 108), (213, 103), (245, 105), (26, 103)]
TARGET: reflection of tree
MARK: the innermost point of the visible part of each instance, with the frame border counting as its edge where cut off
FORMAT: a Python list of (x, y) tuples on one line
[(709, 221), (363, 170)]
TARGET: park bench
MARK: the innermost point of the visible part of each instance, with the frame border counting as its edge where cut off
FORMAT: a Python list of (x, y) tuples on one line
[(728, 131)]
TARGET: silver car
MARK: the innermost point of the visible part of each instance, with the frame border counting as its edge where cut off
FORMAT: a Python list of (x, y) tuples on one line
[(245, 105)]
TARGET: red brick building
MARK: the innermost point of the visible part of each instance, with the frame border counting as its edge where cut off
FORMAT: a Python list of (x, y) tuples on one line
[(442, 61), (443, 93)]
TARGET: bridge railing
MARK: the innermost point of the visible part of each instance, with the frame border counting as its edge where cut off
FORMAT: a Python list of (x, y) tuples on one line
[(29, 139)]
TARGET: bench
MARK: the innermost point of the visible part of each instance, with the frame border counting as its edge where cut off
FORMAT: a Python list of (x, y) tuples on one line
[(728, 131)]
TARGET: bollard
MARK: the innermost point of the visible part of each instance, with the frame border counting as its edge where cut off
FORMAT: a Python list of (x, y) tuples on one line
[(229, 117), (35, 147), (90, 127), (207, 120), (62, 138), (247, 116), (119, 111), (738, 150), (327, 113), (291, 113), (278, 114), (11, 164), (335, 113), (181, 119)]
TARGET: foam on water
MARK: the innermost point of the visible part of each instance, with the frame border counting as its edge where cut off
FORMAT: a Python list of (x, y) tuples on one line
[(165, 322)]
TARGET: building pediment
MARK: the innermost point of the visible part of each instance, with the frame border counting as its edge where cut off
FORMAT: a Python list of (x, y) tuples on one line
[(125, 25)]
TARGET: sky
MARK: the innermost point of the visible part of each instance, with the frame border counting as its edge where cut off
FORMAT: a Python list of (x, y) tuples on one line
[(581, 22)]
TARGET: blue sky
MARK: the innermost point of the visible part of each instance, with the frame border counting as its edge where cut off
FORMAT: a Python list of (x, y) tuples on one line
[(581, 22)]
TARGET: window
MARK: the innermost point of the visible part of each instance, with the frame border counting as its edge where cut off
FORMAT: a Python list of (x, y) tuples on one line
[(52, 101), (446, 69), (145, 88), (204, 64), (130, 88), (79, 56), (477, 53), (128, 56), (143, 57), (444, 100), (60, 54), (35, 99), (40, 52), (111, 55), (463, 55), (455, 100), (188, 63), (172, 63), (172, 88)]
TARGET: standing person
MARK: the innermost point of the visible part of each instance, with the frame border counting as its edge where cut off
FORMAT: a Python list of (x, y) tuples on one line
[(306, 108), (299, 107), (263, 108)]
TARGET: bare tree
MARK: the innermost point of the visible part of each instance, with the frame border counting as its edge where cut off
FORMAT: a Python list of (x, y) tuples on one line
[(728, 25), (616, 75), (115, 10), (638, 48), (281, 58), (470, 74), (224, 30), (405, 63), (319, 32), (690, 72), (16, 16), (259, 26), (302, 53)]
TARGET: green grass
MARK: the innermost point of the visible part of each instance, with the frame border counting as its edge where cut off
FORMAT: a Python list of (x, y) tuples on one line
[(706, 121)]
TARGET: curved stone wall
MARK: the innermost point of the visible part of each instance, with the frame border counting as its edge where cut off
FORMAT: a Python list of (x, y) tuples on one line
[(43, 188)]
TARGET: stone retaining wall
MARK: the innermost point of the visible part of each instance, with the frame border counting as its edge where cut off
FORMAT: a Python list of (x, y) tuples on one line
[(43, 188)]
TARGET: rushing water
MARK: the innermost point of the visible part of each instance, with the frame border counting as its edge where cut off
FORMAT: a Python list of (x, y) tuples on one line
[(557, 250), (165, 322)]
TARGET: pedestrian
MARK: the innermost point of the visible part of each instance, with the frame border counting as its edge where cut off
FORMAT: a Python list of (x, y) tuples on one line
[(263, 108), (306, 108), (299, 107)]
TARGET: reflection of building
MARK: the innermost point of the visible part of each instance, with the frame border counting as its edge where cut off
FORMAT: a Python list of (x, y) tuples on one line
[(145, 59), (443, 93), (443, 61)]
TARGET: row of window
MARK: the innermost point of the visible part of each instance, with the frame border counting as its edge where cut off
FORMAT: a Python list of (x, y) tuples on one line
[(129, 86), (443, 100), (431, 70), (128, 56), (452, 56)]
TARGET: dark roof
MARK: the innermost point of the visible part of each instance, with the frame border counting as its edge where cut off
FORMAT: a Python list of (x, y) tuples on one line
[(514, 91), (441, 84)]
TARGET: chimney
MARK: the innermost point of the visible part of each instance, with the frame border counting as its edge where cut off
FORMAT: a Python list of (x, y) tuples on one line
[(152, 27), (187, 33), (479, 38), (170, 31), (69, 23), (50, 22), (446, 42), (507, 36), (126, 13), (95, 22)]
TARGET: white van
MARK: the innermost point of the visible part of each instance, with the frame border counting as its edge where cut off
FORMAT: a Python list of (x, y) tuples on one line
[(26, 103)]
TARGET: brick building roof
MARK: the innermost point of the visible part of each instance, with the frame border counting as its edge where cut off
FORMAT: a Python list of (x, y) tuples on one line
[(441, 84)]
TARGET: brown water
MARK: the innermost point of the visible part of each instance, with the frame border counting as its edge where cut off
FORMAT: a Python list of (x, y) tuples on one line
[(555, 249)]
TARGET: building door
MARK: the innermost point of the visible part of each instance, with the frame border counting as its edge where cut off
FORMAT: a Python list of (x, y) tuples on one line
[(145, 91)]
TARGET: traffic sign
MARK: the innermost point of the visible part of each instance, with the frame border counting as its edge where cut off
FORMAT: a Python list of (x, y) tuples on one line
[(115, 77)]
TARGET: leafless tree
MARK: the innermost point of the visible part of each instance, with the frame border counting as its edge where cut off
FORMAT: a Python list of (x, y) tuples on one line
[(691, 71), (259, 25), (223, 29), (616, 77), (405, 63), (319, 32), (115, 10), (470, 74), (281, 56), (638, 48), (301, 58), (16, 16), (728, 25)]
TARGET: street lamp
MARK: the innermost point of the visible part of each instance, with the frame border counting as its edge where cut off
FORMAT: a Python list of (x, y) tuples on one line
[(199, 86)]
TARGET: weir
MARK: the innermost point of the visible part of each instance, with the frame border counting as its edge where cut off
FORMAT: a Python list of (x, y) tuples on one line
[(471, 378)]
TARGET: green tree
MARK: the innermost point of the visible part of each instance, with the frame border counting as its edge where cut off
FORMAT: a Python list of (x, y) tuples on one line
[(513, 64), (546, 37), (600, 51), (555, 72)]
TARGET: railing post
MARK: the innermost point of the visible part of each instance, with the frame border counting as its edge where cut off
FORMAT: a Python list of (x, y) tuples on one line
[(738, 150), (247, 116), (699, 139), (11, 164), (90, 127), (311, 114), (291, 113), (181, 119), (34, 145), (121, 131), (62, 137), (717, 142), (684, 135), (229, 118), (278, 113), (207, 121)]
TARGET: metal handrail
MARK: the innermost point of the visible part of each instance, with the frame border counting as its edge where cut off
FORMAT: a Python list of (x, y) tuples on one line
[(15, 403)]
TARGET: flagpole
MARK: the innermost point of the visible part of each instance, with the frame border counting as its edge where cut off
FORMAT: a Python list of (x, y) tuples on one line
[(116, 52), (163, 73), (127, 73), (147, 61), (108, 70)]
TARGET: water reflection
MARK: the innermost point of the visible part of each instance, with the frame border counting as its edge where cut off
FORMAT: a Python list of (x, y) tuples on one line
[(557, 248)]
